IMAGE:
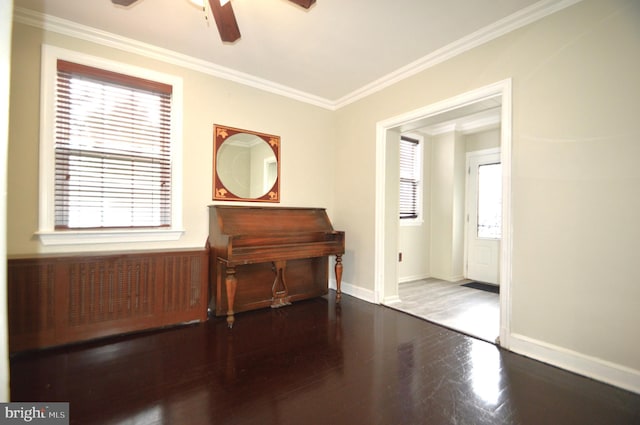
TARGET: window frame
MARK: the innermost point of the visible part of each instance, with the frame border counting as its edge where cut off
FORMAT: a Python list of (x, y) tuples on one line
[(47, 233), (419, 169)]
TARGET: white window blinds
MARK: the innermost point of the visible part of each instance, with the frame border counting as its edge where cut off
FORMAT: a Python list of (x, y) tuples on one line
[(409, 177), (112, 150)]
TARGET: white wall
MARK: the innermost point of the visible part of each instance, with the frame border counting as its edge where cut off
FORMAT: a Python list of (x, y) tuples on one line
[(481, 140), (442, 205), (447, 206), (458, 222), (392, 172), (574, 178)]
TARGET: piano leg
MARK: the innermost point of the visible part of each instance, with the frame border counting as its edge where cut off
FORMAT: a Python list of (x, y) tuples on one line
[(231, 282), (279, 289), (338, 277)]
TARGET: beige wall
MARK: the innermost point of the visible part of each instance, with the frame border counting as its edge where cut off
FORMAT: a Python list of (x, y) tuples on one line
[(5, 61), (307, 136), (575, 177)]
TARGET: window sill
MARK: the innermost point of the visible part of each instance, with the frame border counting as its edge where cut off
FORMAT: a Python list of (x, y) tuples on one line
[(80, 237)]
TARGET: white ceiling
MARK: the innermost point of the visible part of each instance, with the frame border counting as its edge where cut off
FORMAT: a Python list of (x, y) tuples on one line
[(329, 53)]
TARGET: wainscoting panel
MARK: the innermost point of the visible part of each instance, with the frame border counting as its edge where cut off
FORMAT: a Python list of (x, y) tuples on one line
[(31, 303), (57, 300), (184, 291)]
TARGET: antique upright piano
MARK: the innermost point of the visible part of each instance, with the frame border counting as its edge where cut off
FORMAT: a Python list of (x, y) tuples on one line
[(269, 256)]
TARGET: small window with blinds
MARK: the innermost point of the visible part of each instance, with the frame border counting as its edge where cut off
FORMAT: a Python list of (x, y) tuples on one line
[(112, 150), (409, 177)]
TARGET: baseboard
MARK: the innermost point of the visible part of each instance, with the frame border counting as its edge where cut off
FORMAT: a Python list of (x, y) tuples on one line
[(453, 278), (591, 367), (355, 291), (412, 278), (391, 300)]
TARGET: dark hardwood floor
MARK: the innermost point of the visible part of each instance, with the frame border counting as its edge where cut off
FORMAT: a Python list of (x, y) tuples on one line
[(312, 363)]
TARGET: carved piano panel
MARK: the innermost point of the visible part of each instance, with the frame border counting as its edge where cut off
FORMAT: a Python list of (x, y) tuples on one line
[(269, 256)]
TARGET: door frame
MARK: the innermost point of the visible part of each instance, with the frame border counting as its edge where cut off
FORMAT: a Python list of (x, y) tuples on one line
[(385, 265)]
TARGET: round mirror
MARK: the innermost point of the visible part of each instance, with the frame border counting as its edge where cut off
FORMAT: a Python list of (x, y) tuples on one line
[(245, 165)]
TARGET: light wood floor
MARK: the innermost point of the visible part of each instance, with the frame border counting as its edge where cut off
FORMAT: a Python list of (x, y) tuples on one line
[(470, 311)]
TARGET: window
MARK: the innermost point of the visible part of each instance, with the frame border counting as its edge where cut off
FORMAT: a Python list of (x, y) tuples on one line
[(112, 150), (109, 151), (410, 172)]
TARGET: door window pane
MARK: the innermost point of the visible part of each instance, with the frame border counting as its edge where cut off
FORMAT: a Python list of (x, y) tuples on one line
[(490, 201)]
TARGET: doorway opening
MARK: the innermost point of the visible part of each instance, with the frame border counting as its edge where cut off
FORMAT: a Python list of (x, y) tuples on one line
[(483, 216), (492, 102)]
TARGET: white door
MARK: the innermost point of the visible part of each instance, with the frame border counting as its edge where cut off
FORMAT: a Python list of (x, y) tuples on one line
[(484, 216)]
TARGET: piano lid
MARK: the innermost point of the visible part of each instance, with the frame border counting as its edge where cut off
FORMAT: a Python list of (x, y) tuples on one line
[(246, 220)]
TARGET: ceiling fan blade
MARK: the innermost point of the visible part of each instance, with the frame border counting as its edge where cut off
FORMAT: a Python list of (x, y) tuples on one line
[(304, 3), (225, 21), (123, 2)]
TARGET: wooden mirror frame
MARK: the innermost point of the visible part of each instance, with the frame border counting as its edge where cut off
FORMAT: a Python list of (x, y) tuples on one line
[(220, 192)]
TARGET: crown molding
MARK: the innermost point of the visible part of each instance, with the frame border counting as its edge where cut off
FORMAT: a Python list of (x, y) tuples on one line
[(499, 28), (512, 22), (480, 124), (466, 125)]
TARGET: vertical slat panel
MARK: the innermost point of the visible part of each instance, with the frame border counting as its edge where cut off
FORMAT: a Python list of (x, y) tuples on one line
[(31, 303), (30, 299), (195, 288), (169, 298), (110, 289), (184, 290)]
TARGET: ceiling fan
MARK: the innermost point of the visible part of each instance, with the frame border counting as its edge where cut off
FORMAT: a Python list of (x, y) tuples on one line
[(224, 16)]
